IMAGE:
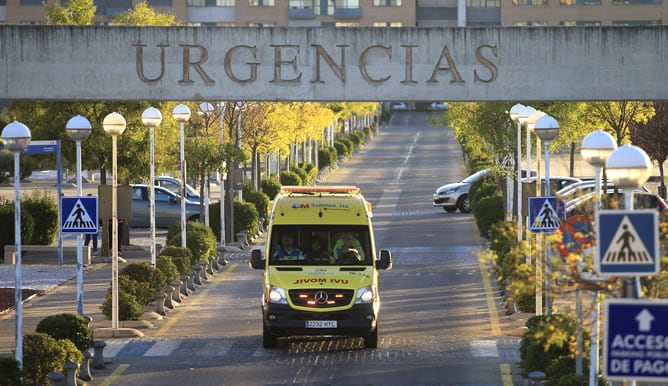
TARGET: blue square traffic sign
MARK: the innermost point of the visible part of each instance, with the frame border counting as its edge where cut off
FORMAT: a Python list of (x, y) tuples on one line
[(635, 343), (628, 242), (545, 214), (78, 214)]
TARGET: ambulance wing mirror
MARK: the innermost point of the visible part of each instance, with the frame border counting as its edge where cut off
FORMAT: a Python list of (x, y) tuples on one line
[(385, 261), (256, 260)]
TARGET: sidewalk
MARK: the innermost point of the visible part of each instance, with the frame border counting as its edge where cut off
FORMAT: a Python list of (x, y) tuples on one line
[(96, 282)]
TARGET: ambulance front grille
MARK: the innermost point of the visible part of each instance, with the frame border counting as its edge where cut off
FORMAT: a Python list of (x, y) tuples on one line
[(321, 298)]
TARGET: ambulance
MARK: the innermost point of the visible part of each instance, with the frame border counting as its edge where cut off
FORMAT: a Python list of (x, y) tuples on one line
[(320, 266)]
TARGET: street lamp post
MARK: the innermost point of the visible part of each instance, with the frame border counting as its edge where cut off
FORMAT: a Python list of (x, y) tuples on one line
[(546, 129), (114, 125), (206, 110), (596, 148), (629, 167), (78, 128), (151, 117), (222, 180), (181, 114), (16, 137), (515, 113)]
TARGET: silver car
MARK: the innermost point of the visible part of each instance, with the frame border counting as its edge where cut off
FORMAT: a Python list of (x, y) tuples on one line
[(167, 207), (456, 195)]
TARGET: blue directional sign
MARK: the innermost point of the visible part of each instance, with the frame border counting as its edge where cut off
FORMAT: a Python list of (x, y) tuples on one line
[(43, 147), (545, 214), (78, 214), (635, 343), (628, 242)]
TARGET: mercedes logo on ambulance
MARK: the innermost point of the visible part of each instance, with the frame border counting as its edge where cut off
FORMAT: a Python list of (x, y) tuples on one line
[(321, 297)]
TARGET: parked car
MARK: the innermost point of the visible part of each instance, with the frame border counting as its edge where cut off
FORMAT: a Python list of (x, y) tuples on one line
[(174, 185), (438, 106), (642, 199), (557, 183), (456, 195), (167, 207), (399, 106)]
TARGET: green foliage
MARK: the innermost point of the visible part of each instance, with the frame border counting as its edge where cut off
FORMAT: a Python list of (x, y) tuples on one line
[(68, 326), (142, 14), (357, 138), (290, 178), (489, 212), (199, 238), (547, 339), (327, 157), (484, 187), (74, 12), (42, 355), (128, 307), (307, 172), (168, 268), (39, 205), (270, 187), (10, 373), (245, 217), (141, 291), (72, 352), (259, 199), (181, 258), (144, 273), (344, 146)]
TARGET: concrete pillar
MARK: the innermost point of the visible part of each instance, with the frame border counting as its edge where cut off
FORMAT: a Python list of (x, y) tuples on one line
[(168, 299), (84, 372), (176, 295), (197, 277), (57, 379), (71, 373), (160, 303), (185, 279), (98, 356)]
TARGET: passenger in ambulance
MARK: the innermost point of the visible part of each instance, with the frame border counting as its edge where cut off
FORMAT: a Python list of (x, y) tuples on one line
[(317, 253), (288, 250), (346, 243)]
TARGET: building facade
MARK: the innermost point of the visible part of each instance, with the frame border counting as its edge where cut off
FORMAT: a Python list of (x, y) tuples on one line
[(371, 13)]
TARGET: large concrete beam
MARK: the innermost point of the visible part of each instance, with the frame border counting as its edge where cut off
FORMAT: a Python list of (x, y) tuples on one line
[(354, 64)]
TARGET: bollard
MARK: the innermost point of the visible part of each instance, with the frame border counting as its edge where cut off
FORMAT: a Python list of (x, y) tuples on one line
[(191, 282), (184, 287), (537, 377), (241, 239), (98, 357), (205, 268), (84, 371), (209, 266), (57, 379), (160, 303), (71, 373), (213, 264), (197, 278), (168, 299), (260, 225), (176, 295), (221, 256)]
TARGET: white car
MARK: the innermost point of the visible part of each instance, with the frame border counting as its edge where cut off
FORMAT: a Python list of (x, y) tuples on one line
[(456, 195), (399, 106), (436, 106)]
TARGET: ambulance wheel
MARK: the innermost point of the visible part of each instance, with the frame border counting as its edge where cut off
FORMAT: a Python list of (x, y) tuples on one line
[(269, 340), (371, 340)]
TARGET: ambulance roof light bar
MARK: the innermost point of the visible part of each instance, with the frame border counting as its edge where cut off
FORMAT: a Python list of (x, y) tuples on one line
[(321, 189)]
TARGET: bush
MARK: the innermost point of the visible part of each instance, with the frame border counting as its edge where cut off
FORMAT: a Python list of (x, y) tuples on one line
[(72, 353), (42, 355), (68, 326), (290, 178), (199, 238), (169, 270), (245, 217), (7, 219), (270, 187), (484, 190), (142, 291), (128, 307), (10, 372), (344, 146), (259, 199), (326, 158), (489, 212), (181, 257), (40, 206), (144, 273)]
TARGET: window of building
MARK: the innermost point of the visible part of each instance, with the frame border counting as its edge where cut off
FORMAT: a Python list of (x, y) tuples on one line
[(382, 24), (530, 2), (483, 3), (529, 24), (636, 23), (261, 3), (225, 3), (346, 24), (580, 23), (637, 2), (346, 3), (3, 3), (261, 24), (387, 3), (160, 3), (31, 2), (299, 3)]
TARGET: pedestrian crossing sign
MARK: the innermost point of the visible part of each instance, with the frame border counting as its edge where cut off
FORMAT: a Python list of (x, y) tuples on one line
[(78, 214), (628, 242), (545, 214)]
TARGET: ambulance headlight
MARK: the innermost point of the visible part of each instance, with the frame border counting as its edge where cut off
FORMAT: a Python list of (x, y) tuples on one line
[(277, 295), (366, 295)]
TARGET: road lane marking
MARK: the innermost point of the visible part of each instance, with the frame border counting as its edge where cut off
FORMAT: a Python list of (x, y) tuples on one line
[(115, 374), (489, 296)]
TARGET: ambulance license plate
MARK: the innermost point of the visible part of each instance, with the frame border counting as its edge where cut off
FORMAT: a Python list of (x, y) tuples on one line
[(321, 324)]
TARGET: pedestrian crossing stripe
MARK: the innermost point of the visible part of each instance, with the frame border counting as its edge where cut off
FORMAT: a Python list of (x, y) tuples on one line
[(78, 218), (547, 218), (626, 246)]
